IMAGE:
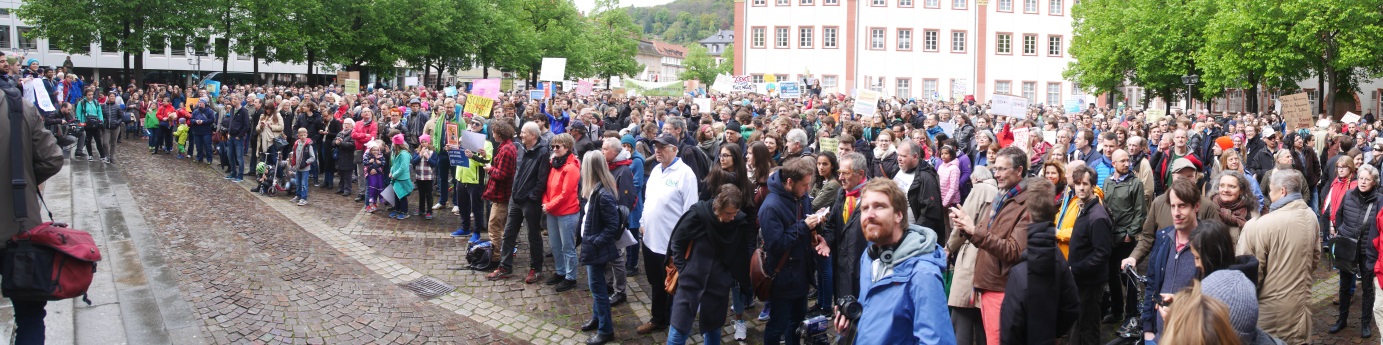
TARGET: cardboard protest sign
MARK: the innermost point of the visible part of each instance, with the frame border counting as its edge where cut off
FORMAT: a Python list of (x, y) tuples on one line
[(1296, 111), (1008, 105), (723, 83), (829, 144), (743, 83), (477, 105), (1154, 115), (1350, 118), (553, 69)]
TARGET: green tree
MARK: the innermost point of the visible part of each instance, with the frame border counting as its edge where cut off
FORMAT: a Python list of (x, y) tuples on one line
[(727, 63), (615, 38), (1342, 37), (1100, 46), (1244, 49), (134, 25), (698, 65)]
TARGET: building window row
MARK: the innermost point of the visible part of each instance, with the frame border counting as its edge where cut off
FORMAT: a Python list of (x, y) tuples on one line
[(806, 37), (1003, 44), (1054, 7), (761, 3)]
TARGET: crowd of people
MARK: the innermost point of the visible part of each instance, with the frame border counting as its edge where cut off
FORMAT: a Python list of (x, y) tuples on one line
[(916, 221)]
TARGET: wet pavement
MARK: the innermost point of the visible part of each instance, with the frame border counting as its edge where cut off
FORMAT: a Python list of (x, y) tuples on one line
[(192, 258)]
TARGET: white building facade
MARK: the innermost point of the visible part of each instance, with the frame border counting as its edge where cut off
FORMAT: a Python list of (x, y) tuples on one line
[(926, 49)]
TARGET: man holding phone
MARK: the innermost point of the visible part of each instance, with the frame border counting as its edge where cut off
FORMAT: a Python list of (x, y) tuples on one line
[(1171, 266)]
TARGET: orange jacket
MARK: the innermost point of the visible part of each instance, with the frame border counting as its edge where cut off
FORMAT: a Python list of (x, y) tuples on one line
[(560, 197)]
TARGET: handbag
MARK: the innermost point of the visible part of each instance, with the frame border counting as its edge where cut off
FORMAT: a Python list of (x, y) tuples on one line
[(670, 280), (758, 277)]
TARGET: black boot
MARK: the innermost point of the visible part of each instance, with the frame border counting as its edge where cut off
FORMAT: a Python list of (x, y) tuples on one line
[(1339, 324)]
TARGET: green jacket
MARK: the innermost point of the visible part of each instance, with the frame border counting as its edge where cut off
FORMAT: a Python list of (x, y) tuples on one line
[(87, 108), (151, 119), (400, 172), (1126, 205), (471, 174), (439, 131)]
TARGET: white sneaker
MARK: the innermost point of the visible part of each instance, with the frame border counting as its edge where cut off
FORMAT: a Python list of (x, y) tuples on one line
[(436, 206), (455, 210), (294, 199), (741, 331), (302, 202)]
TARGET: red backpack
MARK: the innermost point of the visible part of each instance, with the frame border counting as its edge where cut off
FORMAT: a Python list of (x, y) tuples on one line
[(50, 261)]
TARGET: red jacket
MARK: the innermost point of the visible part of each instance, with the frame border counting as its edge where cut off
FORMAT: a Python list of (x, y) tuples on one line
[(166, 112), (559, 199), (364, 132)]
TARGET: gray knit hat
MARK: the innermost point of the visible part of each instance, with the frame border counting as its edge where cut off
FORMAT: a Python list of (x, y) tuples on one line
[(1236, 291)]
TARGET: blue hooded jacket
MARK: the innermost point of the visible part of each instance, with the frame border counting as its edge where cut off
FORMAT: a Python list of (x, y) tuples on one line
[(905, 304), (784, 230)]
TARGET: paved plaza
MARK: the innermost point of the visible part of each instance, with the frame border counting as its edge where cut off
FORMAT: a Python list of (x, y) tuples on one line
[(191, 258)]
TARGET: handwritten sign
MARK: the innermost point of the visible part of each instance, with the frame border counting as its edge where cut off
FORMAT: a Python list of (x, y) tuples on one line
[(585, 87), (1350, 118), (352, 86), (1154, 115), (479, 105), (829, 144), (1296, 111), (743, 83), (1007, 105), (488, 88), (770, 78), (867, 102)]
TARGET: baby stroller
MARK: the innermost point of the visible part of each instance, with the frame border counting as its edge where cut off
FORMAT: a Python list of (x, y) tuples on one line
[(1131, 330)]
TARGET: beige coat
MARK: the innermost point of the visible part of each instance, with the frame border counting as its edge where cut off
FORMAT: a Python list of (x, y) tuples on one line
[(274, 130), (1287, 245), (980, 203)]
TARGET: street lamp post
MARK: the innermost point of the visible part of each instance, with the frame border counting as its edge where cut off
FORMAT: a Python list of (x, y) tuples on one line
[(1190, 81), (196, 63)]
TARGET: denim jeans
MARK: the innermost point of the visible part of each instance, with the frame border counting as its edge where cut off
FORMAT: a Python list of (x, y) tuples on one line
[(300, 181), (675, 337), (28, 320), (600, 294), (237, 158), (825, 294), (561, 235), (202, 143)]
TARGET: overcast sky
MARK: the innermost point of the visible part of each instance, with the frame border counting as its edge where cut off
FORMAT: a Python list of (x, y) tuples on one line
[(586, 5)]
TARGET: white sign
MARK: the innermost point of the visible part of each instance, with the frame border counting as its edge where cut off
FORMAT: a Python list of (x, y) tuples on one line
[(867, 102), (1350, 117), (960, 87), (39, 94), (789, 89), (724, 83), (702, 104), (554, 69), (410, 81), (1011, 106)]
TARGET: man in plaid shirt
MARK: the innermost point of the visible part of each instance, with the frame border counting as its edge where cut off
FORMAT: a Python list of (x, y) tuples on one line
[(501, 182)]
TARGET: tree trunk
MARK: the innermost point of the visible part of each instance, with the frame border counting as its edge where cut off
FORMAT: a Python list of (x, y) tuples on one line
[(125, 51), (312, 75), (1320, 87), (256, 70)]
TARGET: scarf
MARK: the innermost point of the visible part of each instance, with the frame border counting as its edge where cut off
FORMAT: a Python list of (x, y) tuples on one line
[(999, 202), (1283, 201), (1235, 212)]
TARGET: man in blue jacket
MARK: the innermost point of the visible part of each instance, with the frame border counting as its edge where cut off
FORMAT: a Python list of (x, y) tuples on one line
[(788, 241), (900, 276), (203, 121)]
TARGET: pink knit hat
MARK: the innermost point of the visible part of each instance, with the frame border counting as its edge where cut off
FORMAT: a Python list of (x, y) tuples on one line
[(398, 139), (425, 138)]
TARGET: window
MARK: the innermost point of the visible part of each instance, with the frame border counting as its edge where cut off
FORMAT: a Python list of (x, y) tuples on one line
[(876, 39), (1005, 5), (1029, 44), (904, 39), (958, 4), (929, 40), (783, 3), (5, 37), (828, 37), (875, 83), (758, 37), (804, 37), (758, 78), (1053, 45), (904, 3), (760, 2), (1003, 87), (878, 3), (828, 81), (807, 2), (1075, 89), (157, 45), (1003, 44), (957, 41), (1029, 6), (781, 39), (933, 4), (903, 88), (199, 46), (1054, 7), (179, 46), (781, 77), (1054, 93), (832, 2), (929, 89), (1030, 91), (110, 44)]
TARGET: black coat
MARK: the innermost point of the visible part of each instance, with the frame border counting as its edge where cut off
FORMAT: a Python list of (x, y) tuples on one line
[(847, 242), (1357, 217), (924, 198), (1041, 302), (345, 151), (602, 230), (530, 178), (1091, 244)]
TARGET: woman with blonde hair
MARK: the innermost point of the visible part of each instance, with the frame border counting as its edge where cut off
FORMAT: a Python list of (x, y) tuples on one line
[(1194, 318), (600, 235)]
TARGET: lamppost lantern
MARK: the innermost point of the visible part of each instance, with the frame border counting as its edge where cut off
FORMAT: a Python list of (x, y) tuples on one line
[(1190, 81)]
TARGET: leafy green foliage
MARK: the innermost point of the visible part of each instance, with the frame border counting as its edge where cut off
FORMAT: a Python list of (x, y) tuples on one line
[(684, 21)]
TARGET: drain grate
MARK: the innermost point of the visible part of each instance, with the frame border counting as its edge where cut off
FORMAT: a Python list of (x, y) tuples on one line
[(429, 287)]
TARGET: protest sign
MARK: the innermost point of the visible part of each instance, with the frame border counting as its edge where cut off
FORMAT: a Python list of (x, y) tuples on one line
[(1154, 115), (1350, 118), (213, 87), (723, 83), (190, 101), (867, 102), (477, 105), (488, 88), (410, 81), (948, 128), (535, 94), (743, 83), (506, 84), (585, 87), (790, 89), (472, 141), (645, 88), (553, 69), (458, 158), (39, 94), (1072, 106), (341, 77), (1296, 111), (453, 134), (450, 91), (704, 104), (1006, 105), (829, 144), (352, 86), (769, 78)]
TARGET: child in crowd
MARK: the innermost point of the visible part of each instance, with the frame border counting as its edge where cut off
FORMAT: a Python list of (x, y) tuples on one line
[(422, 168), (181, 135), (375, 172)]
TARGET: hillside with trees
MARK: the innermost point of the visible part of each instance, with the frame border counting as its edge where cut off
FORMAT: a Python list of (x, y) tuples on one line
[(684, 21)]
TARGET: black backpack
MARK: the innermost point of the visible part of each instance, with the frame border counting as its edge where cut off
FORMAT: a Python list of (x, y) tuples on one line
[(478, 256)]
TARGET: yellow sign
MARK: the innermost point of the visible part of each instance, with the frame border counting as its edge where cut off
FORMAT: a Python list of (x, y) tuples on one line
[(190, 103), (477, 105), (770, 78), (352, 86)]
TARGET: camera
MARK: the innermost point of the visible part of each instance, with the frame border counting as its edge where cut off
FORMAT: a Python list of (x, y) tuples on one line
[(816, 328), (849, 307)]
